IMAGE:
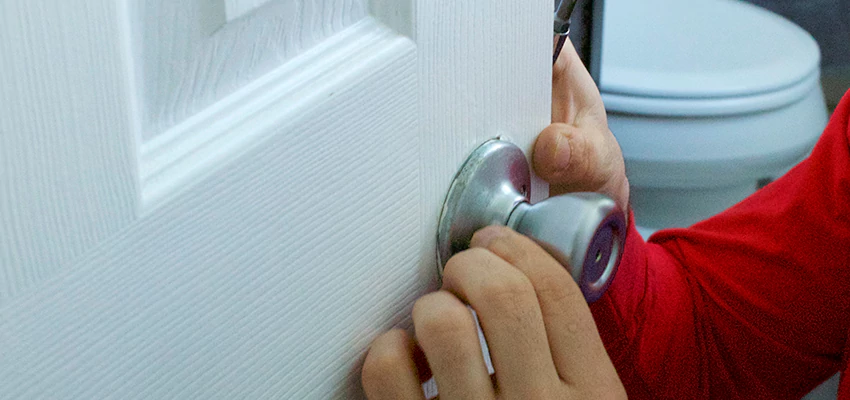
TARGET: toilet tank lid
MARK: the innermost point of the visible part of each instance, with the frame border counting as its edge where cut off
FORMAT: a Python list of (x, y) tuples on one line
[(701, 49)]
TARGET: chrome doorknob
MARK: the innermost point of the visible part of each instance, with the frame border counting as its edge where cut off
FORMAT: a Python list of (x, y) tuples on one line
[(585, 232)]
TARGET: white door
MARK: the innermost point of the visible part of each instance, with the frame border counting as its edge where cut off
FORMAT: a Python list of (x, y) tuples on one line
[(231, 198)]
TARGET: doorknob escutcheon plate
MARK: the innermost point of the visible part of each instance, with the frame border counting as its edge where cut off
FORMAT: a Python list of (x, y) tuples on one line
[(585, 232)]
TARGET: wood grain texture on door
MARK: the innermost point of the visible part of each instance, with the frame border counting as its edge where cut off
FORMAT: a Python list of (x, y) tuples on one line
[(237, 211), (238, 8), (67, 174), (191, 54)]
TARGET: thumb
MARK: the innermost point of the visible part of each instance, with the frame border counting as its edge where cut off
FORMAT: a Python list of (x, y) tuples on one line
[(565, 155), (574, 159)]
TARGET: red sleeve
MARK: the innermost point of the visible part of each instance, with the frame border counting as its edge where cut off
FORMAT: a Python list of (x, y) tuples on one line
[(752, 303)]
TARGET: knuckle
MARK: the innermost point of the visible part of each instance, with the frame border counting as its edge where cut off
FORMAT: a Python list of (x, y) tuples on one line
[(600, 381), (387, 355), (589, 165), (607, 158), (510, 247), (546, 146), (605, 392), (462, 259), (541, 390), (475, 255), (507, 293), (559, 289), (435, 316), (377, 366), (522, 252)]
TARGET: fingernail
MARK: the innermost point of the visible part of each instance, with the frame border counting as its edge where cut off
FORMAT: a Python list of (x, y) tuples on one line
[(485, 235), (562, 153)]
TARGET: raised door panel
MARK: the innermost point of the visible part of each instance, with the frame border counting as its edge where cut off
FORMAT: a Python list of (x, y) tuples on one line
[(67, 169), (274, 232), (191, 54)]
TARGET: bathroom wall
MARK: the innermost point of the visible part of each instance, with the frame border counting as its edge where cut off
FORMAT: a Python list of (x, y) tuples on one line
[(829, 22)]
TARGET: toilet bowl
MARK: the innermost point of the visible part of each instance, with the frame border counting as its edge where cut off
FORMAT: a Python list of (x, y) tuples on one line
[(707, 98)]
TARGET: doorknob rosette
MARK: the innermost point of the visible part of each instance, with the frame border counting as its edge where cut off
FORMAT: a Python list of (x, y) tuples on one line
[(585, 232)]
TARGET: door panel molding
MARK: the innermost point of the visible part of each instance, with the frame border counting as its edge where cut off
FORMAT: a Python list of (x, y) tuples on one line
[(191, 54), (265, 279), (281, 226), (238, 8), (173, 161), (67, 170)]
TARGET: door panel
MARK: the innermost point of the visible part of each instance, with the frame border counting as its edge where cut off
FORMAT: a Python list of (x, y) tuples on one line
[(190, 54), (239, 288), (67, 175), (176, 159), (257, 246)]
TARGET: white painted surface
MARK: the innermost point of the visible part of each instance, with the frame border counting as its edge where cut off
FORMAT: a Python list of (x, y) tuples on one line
[(701, 49), (665, 151), (67, 153), (191, 54), (236, 227), (238, 8)]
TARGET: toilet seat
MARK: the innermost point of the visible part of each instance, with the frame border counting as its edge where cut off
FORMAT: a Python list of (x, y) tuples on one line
[(710, 107), (702, 58)]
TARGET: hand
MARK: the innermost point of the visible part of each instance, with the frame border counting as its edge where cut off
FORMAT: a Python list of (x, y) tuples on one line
[(578, 153), (542, 337)]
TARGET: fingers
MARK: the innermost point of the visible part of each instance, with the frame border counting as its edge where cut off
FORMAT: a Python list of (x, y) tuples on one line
[(578, 152), (581, 159), (541, 335), (511, 320), (389, 371), (568, 63), (575, 97), (572, 158), (447, 334), (577, 350)]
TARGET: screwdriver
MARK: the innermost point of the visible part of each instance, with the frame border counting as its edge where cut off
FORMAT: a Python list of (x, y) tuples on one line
[(563, 11)]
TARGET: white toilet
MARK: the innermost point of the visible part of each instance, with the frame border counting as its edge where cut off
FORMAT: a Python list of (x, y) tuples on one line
[(707, 98)]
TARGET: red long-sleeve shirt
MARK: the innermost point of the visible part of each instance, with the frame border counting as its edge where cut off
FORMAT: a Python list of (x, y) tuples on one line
[(752, 303)]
